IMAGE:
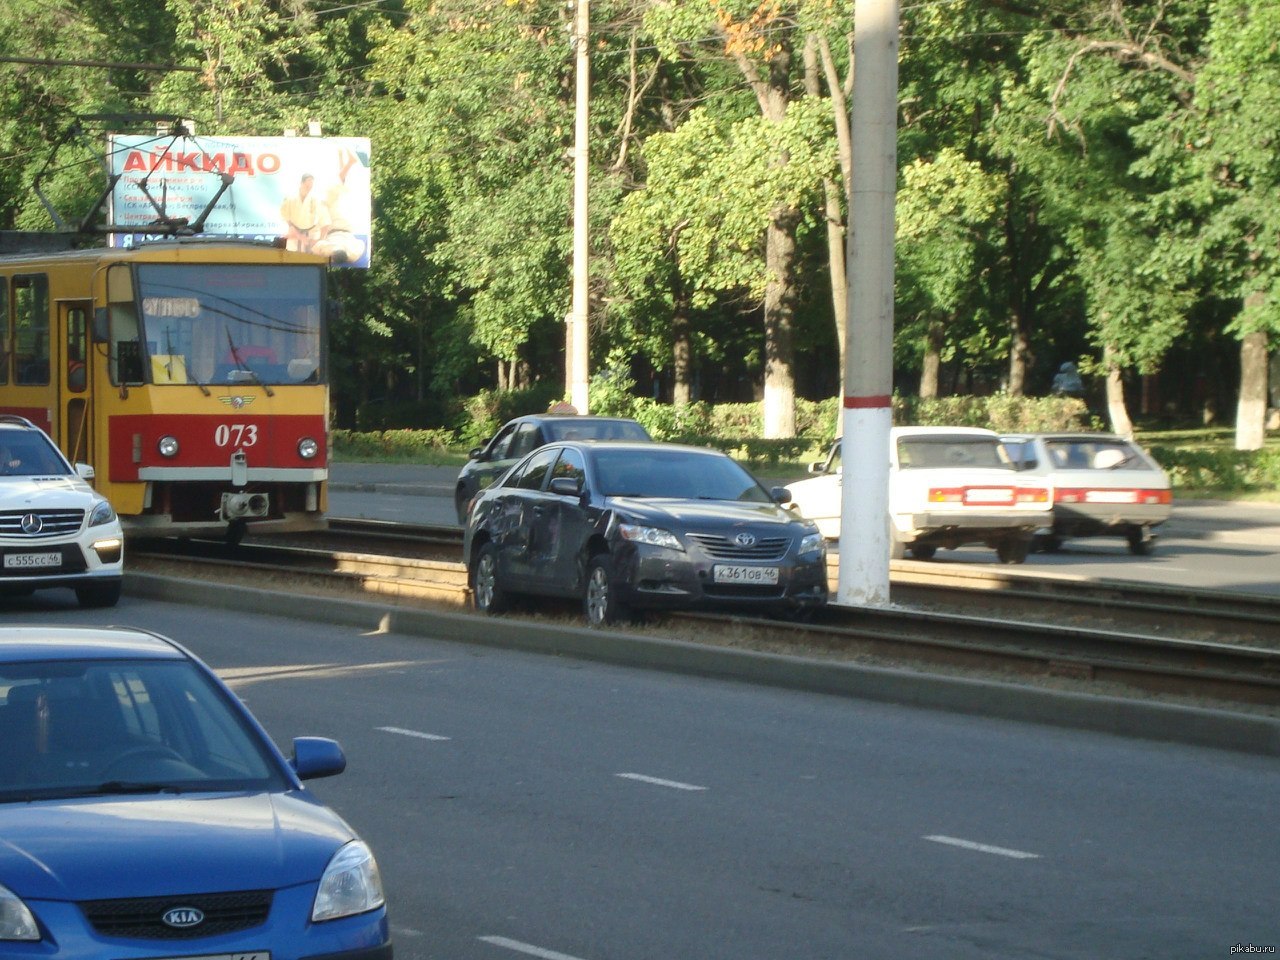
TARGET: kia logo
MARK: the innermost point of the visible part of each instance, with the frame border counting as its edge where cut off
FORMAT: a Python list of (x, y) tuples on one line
[(745, 540), (183, 917), (31, 524)]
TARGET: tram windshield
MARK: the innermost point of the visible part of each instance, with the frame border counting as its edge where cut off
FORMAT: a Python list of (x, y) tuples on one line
[(214, 323)]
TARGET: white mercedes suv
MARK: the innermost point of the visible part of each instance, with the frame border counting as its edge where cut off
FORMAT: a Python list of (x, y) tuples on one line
[(55, 530)]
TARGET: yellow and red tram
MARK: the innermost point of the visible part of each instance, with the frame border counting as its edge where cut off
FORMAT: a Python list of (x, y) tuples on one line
[(189, 373)]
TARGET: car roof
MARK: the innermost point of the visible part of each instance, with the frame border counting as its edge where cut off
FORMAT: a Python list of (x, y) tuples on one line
[(10, 421), (536, 417), (1083, 435), (60, 642), (943, 431), (644, 446)]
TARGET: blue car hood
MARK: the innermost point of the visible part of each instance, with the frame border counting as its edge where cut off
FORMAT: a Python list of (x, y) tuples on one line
[(702, 514), (135, 846)]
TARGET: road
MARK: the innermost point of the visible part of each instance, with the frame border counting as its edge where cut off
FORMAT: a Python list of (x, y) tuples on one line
[(527, 806), (1206, 544)]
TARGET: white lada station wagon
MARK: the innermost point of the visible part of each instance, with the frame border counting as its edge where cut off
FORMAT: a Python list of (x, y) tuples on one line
[(948, 486)]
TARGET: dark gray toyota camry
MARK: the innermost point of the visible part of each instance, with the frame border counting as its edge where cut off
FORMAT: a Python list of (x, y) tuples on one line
[(635, 526)]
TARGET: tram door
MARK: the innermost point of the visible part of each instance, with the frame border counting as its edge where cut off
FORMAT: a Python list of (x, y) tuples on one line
[(74, 420)]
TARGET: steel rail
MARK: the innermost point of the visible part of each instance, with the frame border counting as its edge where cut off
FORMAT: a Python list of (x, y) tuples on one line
[(1249, 618), (1219, 671)]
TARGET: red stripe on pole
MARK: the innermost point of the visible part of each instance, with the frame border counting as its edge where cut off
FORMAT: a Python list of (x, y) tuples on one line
[(862, 403)]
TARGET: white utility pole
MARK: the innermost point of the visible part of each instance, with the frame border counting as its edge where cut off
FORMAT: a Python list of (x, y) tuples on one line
[(577, 341), (868, 375)]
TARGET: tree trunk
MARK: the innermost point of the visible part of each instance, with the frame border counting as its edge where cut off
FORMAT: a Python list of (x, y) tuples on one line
[(833, 192), (1251, 411), (1021, 355), (681, 367), (773, 94), (1117, 412), (779, 319), (929, 372)]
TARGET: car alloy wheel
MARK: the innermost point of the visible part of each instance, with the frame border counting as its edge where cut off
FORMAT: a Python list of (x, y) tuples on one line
[(600, 599), (486, 592)]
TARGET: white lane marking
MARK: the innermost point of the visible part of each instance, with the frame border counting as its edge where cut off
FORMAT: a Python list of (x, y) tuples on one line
[(412, 733), (673, 784), (237, 677), (528, 948), (984, 848)]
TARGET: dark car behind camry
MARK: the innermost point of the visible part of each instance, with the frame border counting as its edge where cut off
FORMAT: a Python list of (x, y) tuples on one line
[(518, 437), (634, 526)]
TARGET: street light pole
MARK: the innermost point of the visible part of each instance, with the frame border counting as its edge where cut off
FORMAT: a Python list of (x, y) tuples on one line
[(577, 340)]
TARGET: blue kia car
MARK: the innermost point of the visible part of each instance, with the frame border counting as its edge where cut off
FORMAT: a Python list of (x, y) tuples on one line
[(144, 813)]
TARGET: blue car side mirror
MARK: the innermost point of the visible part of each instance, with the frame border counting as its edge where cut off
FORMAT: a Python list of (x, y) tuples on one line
[(317, 757)]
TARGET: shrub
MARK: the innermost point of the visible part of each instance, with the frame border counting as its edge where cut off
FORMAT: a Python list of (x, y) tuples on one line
[(1201, 468), (1000, 412), (390, 444), (488, 410)]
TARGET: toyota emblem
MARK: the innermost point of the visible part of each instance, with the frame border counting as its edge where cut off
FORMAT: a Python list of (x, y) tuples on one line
[(31, 524), (745, 540), (182, 917)]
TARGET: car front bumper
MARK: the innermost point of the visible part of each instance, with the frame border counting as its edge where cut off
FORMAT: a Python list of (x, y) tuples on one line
[(287, 934), (661, 578)]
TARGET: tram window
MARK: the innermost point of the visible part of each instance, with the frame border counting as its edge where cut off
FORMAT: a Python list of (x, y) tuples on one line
[(77, 345), (31, 330)]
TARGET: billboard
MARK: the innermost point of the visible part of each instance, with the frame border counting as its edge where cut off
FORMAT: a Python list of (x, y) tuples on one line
[(313, 193)]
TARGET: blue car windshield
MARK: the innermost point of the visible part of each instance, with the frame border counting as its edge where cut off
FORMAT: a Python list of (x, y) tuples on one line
[(674, 474), (96, 727)]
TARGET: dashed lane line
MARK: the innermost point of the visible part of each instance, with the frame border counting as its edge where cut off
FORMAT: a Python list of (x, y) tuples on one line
[(983, 848), (412, 733), (673, 784), (528, 949)]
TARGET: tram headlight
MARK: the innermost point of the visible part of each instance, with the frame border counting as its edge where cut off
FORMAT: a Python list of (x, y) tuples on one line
[(168, 446), (308, 448)]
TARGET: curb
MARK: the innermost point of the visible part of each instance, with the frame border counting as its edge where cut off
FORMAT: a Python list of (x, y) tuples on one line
[(395, 489), (1129, 718)]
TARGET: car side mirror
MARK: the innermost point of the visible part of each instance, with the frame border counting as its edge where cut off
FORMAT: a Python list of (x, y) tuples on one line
[(818, 466), (84, 471), (317, 757), (474, 452), (780, 494), (566, 486)]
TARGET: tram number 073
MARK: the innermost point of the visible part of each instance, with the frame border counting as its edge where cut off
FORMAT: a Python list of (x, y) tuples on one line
[(236, 434)]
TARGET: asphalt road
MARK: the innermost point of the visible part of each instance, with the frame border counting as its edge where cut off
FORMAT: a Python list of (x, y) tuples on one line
[(533, 806), (1206, 544)]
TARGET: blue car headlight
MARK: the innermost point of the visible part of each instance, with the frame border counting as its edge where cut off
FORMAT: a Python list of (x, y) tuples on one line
[(654, 536), (102, 513), (351, 884), (16, 921), (813, 543)]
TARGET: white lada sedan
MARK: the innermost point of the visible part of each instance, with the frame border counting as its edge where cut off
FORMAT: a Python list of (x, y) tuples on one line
[(1103, 485), (948, 486)]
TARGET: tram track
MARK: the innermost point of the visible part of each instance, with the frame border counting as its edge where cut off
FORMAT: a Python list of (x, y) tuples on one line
[(1118, 638)]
